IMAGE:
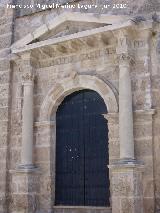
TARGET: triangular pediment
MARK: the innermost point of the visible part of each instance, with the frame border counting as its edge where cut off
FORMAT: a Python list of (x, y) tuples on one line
[(68, 28), (67, 23)]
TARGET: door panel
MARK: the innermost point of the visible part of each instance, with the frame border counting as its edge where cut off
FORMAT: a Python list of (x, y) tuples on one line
[(82, 176)]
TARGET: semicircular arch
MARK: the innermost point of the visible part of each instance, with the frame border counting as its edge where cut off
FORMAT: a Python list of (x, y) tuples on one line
[(56, 95)]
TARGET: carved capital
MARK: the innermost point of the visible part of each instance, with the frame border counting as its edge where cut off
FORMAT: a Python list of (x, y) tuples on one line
[(24, 65), (125, 59), (27, 77)]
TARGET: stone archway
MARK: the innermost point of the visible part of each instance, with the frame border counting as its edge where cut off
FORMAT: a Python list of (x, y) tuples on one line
[(54, 98), (66, 87)]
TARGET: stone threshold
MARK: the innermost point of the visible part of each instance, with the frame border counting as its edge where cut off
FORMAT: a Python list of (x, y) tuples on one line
[(81, 209)]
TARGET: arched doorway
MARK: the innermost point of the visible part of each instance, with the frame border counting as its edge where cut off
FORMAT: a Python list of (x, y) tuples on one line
[(82, 176)]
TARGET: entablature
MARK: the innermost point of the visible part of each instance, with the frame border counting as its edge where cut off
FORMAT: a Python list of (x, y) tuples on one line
[(104, 39)]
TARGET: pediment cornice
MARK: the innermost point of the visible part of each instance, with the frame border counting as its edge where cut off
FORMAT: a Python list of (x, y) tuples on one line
[(51, 25)]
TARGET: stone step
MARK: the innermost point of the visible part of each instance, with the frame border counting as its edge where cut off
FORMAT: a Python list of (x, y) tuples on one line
[(79, 209)]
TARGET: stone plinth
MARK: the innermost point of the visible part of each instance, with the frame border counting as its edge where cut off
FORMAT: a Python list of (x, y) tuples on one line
[(25, 188), (126, 187)]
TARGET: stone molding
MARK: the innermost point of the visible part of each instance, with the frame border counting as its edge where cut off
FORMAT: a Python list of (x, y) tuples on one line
[(112, 118), (67, 16), (44, 123), (56, 95), (79, 35), (145, 112), (119, 165)]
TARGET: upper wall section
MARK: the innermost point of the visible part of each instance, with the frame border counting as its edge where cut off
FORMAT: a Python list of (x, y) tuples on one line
[(141, 7)]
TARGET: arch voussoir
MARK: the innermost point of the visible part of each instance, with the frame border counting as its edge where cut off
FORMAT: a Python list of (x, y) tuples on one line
[(56, 95)]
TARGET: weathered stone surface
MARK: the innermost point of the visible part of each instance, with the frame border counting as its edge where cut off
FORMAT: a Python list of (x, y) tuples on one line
[(91, 56), (4, 91), (4, 114), (143, 6), (15, 157), (4, 65), (143, 147), (5, 41), (4, 77), (42, 154), (114, 149), (149, 205), (3, 140), (142, 131), (127, 188)]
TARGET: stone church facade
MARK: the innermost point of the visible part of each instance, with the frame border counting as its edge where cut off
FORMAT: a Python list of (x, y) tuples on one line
[(45, 56)]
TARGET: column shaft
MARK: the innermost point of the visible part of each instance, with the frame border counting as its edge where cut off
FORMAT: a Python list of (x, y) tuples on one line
[(27, 126), (125, 113)]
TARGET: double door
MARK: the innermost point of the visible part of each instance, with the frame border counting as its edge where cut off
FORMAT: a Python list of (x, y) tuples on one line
[(82, 176)]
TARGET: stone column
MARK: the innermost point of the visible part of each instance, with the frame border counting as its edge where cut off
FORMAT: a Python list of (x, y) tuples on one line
[(126, 172), (27, 113), (125, 109)]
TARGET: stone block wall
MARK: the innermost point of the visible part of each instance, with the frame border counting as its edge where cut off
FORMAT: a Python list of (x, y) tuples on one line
[(146, 124), (156, 119), (6, 25)]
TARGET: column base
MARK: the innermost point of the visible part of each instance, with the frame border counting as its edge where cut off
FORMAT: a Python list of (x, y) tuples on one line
[(25, 189), (128, 161), (126, 186), (27, 168)]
